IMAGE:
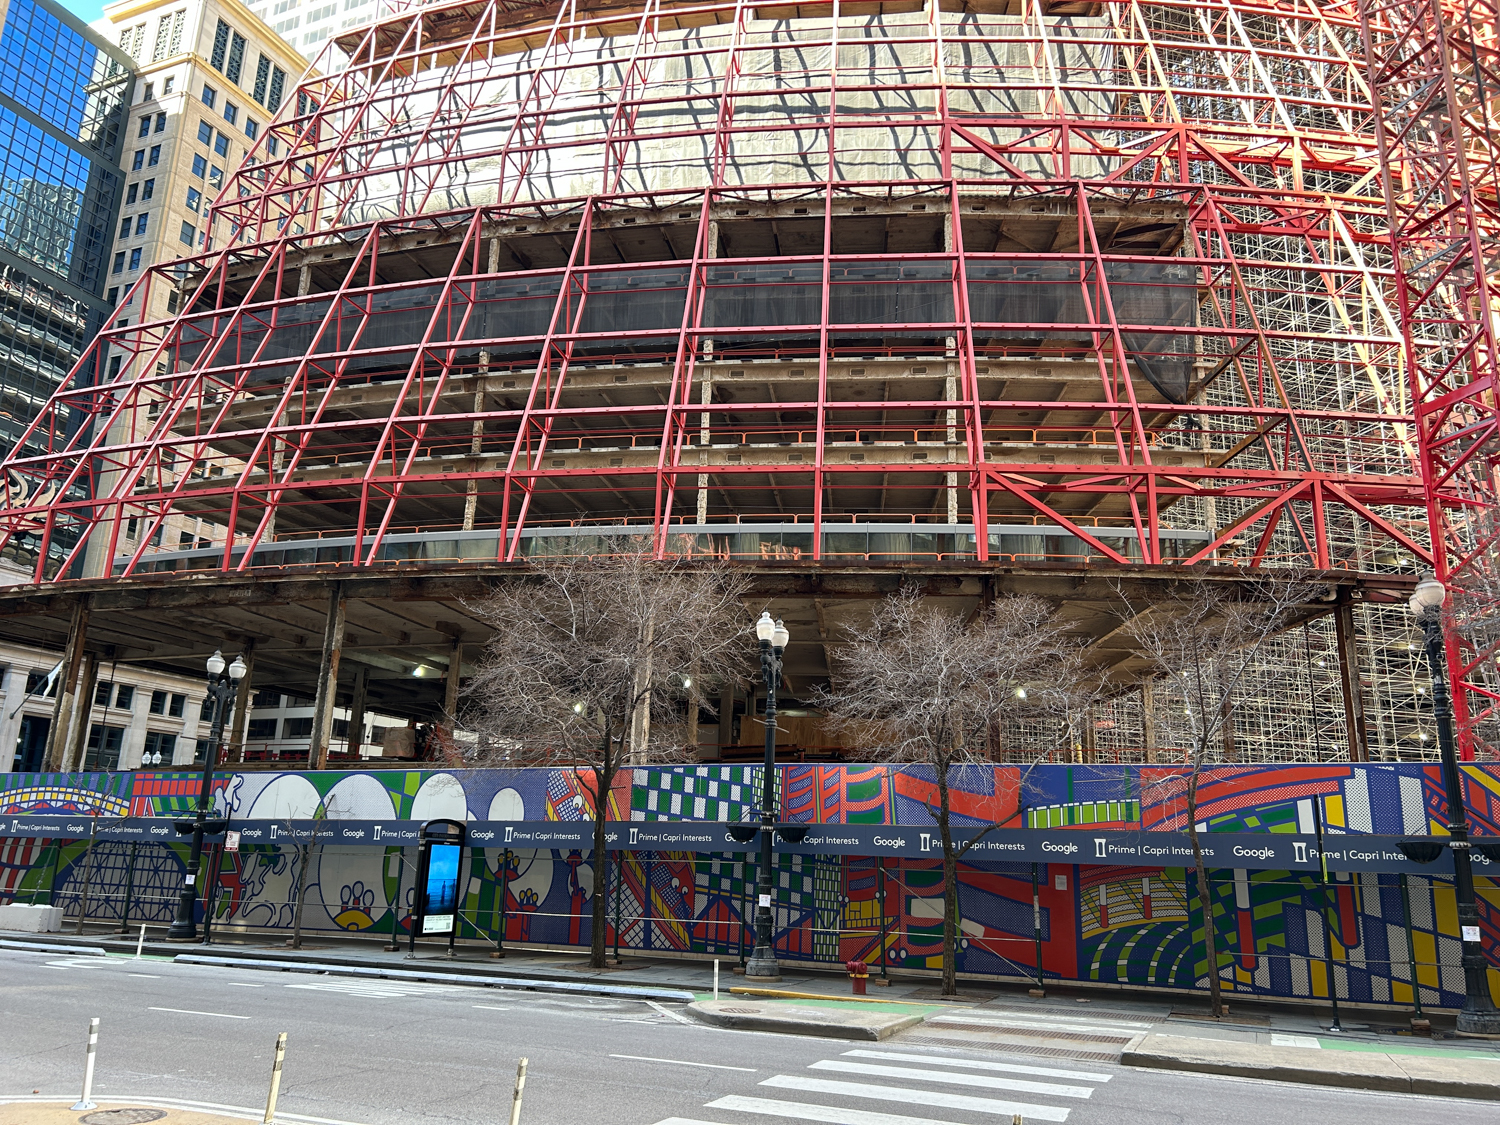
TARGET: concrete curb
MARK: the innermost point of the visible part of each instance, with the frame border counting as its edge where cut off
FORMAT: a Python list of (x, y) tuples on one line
[(334, 968), (1405, 1074), (53, 947), (789, 1019)]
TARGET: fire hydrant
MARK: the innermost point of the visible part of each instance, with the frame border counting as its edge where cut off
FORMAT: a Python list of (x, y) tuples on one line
[(859, 972)]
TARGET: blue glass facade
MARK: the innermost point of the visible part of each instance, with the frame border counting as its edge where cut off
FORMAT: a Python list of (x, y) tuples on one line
[(64, 93)]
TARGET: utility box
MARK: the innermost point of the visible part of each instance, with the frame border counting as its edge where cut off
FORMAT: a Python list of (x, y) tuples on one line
[(23, 918), (400, 742)]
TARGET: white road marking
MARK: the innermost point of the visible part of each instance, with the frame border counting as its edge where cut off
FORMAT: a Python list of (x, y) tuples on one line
[(489, 1007), (806, 1111), (1049, 1088), (1027, 1110), (244, 984), (684, 1062), (1280, 1039), (145, 976), (375, 989), (190, 1012), (671, 1015), (1006, 1068)]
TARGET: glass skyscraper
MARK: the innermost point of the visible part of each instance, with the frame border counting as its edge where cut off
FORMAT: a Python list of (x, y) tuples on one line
[(64, 94)]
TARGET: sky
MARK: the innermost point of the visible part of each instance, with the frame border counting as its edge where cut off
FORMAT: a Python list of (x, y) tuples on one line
[(86, 10)]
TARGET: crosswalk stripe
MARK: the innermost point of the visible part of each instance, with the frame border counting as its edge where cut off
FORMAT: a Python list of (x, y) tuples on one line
[(987, 1083), (807, 1111), (917, 1097), (684, 1121), (975, 1064)]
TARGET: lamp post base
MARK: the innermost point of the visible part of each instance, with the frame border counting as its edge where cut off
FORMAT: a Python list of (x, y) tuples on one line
[(762, 967), (1479, 1025)]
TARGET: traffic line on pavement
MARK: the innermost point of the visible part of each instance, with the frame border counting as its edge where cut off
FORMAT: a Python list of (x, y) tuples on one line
[(489, 1007), (671, 1015), (190, 1012), (808, 1111), (685, 1062), (1007, 1068), (1027, 1110), (978, 1080)]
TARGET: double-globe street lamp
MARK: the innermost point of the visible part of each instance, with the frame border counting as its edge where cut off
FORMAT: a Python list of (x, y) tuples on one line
[(773, 638), (223, 684), (1479, 1015)]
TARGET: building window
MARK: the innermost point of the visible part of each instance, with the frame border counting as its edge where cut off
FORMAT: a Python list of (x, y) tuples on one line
[(215, 176), (119, 265), (155, 157), (125, 227), (188, 234), (36, 679), (260, 730), (140, 223), (273, 146), (176, 705), (296, 728), (103, 751), (101, 694), (166, 87), (194, 199), (161, 122), (252, 130), (221, 145), (135, 258), (114, 294), (231, 112), (145, 130), (210, 95), (262, 79), (266, 698), (205, 133), (340, 728), (130, 194), (163, 35), (148, 189), (278, 85), (158, 703), (149, 93), (124, 697), (236, 58), (221, 46), (200, 166), (159, 743), (139, 160)]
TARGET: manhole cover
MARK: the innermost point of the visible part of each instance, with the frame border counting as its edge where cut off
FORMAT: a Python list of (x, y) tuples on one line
[(123, 1117), (741, 1011)]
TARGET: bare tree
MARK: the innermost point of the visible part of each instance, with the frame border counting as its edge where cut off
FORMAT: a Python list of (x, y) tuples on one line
[(924, 685), (589, 664), (1202, 639)]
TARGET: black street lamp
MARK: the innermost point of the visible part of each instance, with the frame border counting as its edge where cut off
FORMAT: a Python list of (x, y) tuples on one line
[(222, 686), (1479, 1015), (773, 639)]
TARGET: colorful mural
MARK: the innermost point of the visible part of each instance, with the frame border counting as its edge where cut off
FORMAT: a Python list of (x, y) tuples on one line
[(1371, 937)]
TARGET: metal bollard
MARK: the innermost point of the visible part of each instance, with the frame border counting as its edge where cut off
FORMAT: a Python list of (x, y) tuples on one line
[(88, 1068), (515, 1105), (140, 942), (275, 1080), (716, 978)]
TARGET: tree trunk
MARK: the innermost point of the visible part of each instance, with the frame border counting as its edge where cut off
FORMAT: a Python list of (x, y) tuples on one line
[(950, 886), (603, 781), (301, 896), (1205, 896)]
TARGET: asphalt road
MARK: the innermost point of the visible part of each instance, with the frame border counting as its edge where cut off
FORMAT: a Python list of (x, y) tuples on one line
[(383, 1053)]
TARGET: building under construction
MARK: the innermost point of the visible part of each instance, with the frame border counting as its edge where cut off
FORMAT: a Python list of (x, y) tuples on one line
[(995, 295)]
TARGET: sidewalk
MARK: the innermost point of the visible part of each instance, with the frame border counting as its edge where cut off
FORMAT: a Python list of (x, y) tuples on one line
[(133, 1111)]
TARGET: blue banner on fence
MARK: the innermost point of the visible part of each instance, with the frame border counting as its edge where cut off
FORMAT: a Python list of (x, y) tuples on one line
[(1260, 851)]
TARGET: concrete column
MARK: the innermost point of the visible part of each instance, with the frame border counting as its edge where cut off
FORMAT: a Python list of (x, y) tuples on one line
[(328, 677), (357, 709), (83, 707), (450, 683), (67, 678), (241, 714), (1346, 642)]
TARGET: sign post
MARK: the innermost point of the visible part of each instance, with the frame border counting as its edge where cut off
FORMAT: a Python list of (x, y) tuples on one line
[(439, 863)]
